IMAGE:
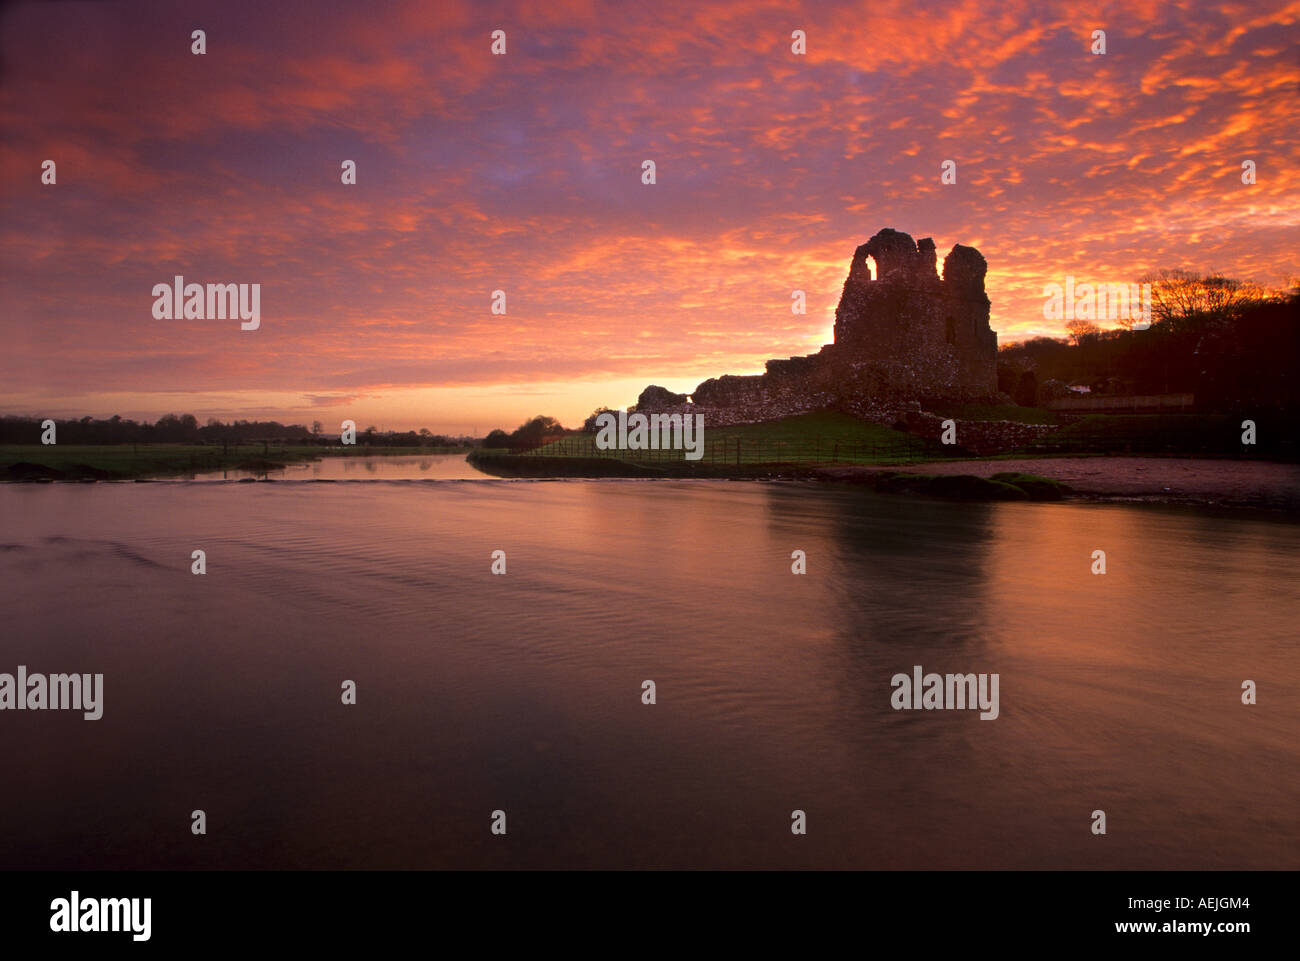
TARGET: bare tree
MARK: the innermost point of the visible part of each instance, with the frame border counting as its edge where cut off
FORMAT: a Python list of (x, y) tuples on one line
[(1079, 329), (1178, 295)]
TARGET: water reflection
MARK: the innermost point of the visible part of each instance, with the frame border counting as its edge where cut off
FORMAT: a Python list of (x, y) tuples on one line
[(523, 692), (361, 467)]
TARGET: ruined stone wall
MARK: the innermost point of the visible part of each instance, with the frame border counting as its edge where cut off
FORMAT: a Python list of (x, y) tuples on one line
[(757, 412), (907, 336)]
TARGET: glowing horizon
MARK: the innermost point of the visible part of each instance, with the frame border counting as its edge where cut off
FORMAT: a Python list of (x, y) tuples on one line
[(523, 173)]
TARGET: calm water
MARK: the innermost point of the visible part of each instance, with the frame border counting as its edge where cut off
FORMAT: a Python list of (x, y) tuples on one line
[(349, 467), (522, 692)]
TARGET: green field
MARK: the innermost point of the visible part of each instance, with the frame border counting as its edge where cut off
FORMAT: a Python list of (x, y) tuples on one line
[(1207, 434), (827, 437)]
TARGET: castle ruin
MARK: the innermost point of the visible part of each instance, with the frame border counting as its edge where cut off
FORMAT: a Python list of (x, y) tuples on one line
[(902, 339)]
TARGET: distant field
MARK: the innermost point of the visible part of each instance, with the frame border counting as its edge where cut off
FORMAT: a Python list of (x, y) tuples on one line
[(360, 450), (123, 461), (126, 461)]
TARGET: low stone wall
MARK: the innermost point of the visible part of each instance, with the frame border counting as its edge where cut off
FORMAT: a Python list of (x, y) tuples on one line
[(757, 412), (979, 437), (1087, 403)]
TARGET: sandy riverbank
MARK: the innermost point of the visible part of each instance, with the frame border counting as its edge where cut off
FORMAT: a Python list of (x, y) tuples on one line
[(1261, 484)]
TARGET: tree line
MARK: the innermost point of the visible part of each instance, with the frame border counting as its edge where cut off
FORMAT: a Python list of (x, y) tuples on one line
[(185, 429), (531, 433), (1233, 345)]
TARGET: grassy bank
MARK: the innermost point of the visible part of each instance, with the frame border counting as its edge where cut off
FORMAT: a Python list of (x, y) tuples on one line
[(1016, 486), (34, 462), (126, 461), (501, 463), (827, 437)]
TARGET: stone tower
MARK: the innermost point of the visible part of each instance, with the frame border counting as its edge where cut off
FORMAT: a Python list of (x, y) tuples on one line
[(908, 334)]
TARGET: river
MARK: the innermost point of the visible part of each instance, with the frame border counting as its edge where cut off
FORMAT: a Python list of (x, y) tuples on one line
[(522, 692)]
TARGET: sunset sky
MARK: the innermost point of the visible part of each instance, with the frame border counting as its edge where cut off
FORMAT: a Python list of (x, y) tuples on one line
[(523, 172)]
